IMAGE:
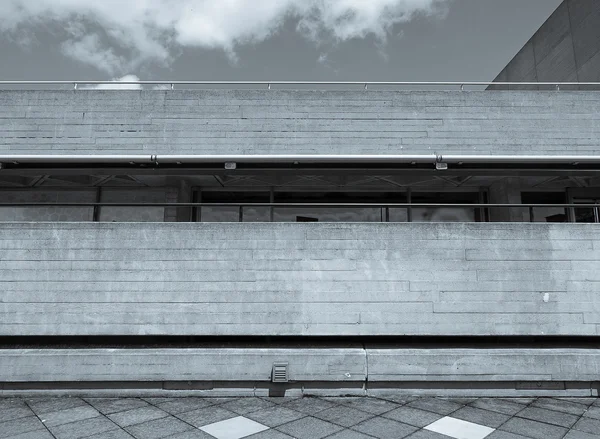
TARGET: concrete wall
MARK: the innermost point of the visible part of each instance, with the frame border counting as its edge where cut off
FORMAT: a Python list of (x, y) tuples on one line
[(566, 48), (342, 366), (299, 279), (298, 122), (336, 364)]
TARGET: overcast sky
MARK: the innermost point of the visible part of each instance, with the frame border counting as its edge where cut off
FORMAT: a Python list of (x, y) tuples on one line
[(385, 40)]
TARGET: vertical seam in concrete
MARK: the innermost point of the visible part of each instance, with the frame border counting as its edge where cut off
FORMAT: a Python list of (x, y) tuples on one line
[(535, 66), (572, 41)]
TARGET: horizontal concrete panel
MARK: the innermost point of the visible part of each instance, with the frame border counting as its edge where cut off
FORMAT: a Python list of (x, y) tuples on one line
[(48, 365), (483, 364), (350, 364), (303, 122), (299, 279)]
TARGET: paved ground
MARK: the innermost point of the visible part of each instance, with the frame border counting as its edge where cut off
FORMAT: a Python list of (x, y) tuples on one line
[(302, 418)]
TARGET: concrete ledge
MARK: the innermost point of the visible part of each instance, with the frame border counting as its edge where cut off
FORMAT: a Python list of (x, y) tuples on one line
[(343, 367), (483, 365), (60, 365)]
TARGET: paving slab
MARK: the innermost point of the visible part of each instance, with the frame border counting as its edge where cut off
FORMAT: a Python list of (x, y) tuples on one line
[(244, 406), (384, 428), (182, 405), (549, 416), (498, 405), (309, 428), (481, 417), (412, 416), (343, 416), (67, 416), (37, 434), (46, 405), (588, 425), (426, 434), (137, 416), (592, 412), (534, 429), (436, 405), (201, 417), (191, 434), (274, 434), (560, 406), (309, 406), (158, 428), (19, 426), (584, 401), (374, 406), (113, 405), (112, 434), (574, 434), (274, 416), (498, 434), (83, 428), (17, 412)]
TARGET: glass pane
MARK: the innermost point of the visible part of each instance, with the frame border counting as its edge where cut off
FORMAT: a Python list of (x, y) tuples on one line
[(549, 215), (328, 214), (256, 214), (220, 214), (546, 214), (443, 215), (398, 215), (132, 214), (47, 213), (585, 215)]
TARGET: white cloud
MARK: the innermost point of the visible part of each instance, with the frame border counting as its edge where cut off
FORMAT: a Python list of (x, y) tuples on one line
[(119, 35), (115, 85)]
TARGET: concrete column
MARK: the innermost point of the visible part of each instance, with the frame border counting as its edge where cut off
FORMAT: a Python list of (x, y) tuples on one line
[(178, 192), (507, 191)]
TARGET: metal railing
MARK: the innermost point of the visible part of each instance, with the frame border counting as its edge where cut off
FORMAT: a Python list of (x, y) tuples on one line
[(314, 205), (195, 209), (171, 85)]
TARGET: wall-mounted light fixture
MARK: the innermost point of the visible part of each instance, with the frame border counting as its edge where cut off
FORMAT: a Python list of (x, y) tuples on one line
[(230, 165), (441, 166)]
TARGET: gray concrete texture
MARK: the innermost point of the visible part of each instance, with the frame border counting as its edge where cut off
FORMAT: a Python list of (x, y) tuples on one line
[(299, 279), (392, 416), (342, 365), (298, 122), (565, 49)]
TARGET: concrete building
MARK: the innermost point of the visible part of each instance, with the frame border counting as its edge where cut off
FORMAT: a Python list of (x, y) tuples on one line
[(565, 49), (305, 253)]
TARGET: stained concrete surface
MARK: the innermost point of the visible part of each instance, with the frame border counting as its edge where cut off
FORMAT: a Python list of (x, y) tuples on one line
[(309, 417)]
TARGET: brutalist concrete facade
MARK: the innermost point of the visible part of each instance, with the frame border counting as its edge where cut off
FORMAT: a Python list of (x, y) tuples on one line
[(565, 49), (117, 274)]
